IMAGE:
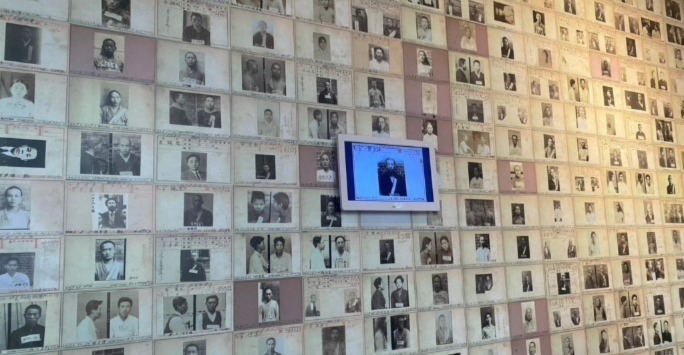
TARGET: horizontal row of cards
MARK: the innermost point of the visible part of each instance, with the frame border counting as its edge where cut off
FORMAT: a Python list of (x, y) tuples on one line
[(38, 208), (34, 264), (203, 308)]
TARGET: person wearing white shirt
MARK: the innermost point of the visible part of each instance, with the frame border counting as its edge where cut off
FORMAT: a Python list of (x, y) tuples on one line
[(269, 311), (317, 261), (12, 280), (281, 261), (483, 147), (379, 63), (467, 40), (86, 331), (482, 252), (340, 257), (325, 173), (124, 325)]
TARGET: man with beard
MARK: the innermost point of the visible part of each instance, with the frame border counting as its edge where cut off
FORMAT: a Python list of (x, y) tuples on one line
[(210, 319), (263, 38), (196, 216), (276, 83), (125, 163), (445, 254), (326, 96), (378, 62), (439, 295), (281, 261), (113, 218), (334, 346), (108, 268), (258, 265), (390, 181), (196, 33), (107, 60), (86, 331), (340, 257), (193, 270), (124, 325), (250, 77), (378, 300), (399, 297), (178, 322), (269, 311), (208, 116), (191, 74), (32, 334)]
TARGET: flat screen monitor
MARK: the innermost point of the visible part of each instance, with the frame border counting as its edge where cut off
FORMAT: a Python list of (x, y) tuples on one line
[(387, 174)]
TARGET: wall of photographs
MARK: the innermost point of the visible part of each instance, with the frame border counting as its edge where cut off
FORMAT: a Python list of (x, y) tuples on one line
[(170, 177)]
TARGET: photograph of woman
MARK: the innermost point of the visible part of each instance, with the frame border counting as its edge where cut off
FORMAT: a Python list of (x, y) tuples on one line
[(113, 112), (17, 105)]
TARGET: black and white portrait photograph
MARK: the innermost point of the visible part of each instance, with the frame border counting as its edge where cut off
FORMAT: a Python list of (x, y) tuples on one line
[(190, 109), (401, 333), (539, 23), (483, 283), (563, 283), (517, 214), (27, 330), (22, 43), (193, 347), (376, 92), (271, 345), (391, 26), (504, 13), (331, 212), (269, 207), (17, 95), (443, 329), (391, 177), (322, 46), (386, 247), (116, 13), (327, 166), (193, 166), (265, 167), (509, 82), (380, 126), (16, 208), (475, 178), (477, 77), (475, 110), (440, 289), (197, 210), (479, 212), (22, 153), (429, 99), (333, 340), (268, 301), (263, 34), (488, 323), (194, 265), (326, 89), (267, 254), (517, 176), (423, 27), (195, 28), (523, 243), (378, 58), (109, 52), (527, 284), (110, 211), (476, 11), (423, 63), (17, 273), (359, 19), (110, 259)]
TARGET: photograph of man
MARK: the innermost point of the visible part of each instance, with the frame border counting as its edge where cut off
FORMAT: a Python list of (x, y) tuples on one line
[(195, 215), (399, 297), (325, 173), (671, 189), (210, 319), (321, 49), (125, 325), (114, 217), (258, 265), (353, 304), (281, 261), (523, 243), (31, 334), (529, 319), (359, 19), (378, 300), (476, 75), (333, 340), (386, 251), (116, 13), (22, 43), (108, 59), (444, 252), (107, 267), (330, 217), (462, 71), (440, 293), (13, 280), (262, 38), (311, 307), (401, 335), (325, 11), (265, 167), (14, 216), (482, 252), (270, 347), (391, 180), (269, 311), (563, 282), (282, 213), (191, 349), (208, 115), (179, 321), (195, 30), (125, 162), (251, 76), (276, 83), (191, 74), (327, 94), (443, 333), (86, 331), (193, 172), (608, 98), (527, 285), (192, 270), (177, 112), (518, 213), (378, 61), (316, 259), (376, 89), (112, 112), (268, 126)]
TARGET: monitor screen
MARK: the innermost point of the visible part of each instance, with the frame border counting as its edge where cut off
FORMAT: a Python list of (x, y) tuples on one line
[(387, 175)]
